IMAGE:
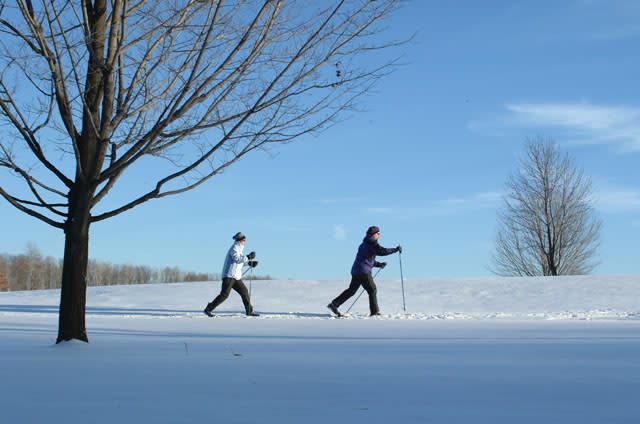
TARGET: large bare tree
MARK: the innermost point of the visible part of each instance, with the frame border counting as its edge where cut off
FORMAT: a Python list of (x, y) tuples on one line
[(547, 225), (180, 88)]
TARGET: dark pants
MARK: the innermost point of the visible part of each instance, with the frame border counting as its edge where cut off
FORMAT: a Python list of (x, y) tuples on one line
[(366, 281), (228, 284)]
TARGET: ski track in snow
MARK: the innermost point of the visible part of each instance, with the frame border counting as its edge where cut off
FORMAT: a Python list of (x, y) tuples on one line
[(579, 315)]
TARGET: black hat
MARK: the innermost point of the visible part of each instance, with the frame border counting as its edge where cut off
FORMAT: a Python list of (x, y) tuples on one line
[(239, 236), (372, 230)]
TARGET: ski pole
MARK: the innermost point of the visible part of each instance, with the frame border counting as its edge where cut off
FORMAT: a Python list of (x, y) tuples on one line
[(404, 307), (354, 302), (250, 281), (250, 277)]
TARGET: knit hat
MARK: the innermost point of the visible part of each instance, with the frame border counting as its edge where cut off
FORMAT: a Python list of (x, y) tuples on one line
[(372, 230), (239, 236)]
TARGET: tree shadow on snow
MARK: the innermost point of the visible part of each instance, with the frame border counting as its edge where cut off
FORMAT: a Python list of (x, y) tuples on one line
[(152, 312), (54, 309)]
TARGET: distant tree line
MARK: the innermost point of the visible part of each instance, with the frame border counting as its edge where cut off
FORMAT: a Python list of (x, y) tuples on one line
[(32, 271)]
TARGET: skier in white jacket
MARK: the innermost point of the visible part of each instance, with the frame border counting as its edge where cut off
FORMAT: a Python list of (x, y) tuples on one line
[(232, 276)]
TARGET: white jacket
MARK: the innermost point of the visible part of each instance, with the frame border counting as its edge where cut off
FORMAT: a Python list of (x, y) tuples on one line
[(234, 261)]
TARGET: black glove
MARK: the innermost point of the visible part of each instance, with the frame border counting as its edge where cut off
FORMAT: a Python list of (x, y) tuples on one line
[(251, 255), (382, 264), (399, 249), (252, 264)]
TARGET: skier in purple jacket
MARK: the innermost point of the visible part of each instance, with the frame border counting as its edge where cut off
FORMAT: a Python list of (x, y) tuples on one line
[(361, 271)]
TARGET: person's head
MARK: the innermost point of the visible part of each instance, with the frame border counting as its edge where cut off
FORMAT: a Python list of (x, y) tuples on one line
[(373, 232), (241, 238)]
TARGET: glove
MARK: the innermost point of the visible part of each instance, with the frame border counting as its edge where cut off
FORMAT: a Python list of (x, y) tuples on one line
[(382, 264), (399, 249), (251, 255), (252, 264)]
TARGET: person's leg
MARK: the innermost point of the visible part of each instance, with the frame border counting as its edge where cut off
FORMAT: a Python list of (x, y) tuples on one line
[(350, 291), (372, 290), (242, 290), (227, 284)]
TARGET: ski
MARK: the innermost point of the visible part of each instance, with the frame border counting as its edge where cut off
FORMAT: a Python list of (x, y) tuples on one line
[(212, 315)]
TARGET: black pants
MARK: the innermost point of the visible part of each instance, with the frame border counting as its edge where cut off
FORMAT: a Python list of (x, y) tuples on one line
[(228, 284), (366, 281)]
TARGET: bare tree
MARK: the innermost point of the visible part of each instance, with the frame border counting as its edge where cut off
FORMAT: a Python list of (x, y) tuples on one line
[(171, 275), (36, 279), (548, 224), (4, 272), (180, 88), (32, 271), (51, 273), (21, 267), (4, 285), (143, 274)]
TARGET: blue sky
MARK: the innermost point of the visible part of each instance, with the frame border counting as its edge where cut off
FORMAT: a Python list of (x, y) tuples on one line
[(428, 159)]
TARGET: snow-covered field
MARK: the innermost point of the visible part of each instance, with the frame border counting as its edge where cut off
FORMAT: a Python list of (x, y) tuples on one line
[(485, 350)]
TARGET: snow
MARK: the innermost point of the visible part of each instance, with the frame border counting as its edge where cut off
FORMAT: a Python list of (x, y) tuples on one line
[(476, 350)]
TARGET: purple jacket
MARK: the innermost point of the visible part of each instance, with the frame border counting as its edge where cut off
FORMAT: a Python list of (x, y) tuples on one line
[(366, 257)]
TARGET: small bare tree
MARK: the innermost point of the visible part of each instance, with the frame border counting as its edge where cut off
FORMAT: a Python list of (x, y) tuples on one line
[(181, 89), (4, 271), (547, 225)]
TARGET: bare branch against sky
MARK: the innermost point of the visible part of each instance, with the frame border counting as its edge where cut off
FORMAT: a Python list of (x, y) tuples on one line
[(177, 90)]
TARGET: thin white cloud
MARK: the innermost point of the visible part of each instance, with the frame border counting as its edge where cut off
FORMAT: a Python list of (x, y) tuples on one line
[(328, 201), (452, 202), (379, 211), (473, 202), (290, 228), (617, 200), (337, 200), (489, 197), (449, 206), (339, 232), (582, 122)]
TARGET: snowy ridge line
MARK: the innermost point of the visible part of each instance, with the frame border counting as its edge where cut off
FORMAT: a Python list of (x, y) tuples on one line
[(608, 297), (264, 315)]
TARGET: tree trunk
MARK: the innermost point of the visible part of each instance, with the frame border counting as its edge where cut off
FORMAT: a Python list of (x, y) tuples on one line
[(74, 269)]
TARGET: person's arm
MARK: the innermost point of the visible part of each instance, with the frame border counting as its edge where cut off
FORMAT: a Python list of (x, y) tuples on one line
[(383, 251)]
